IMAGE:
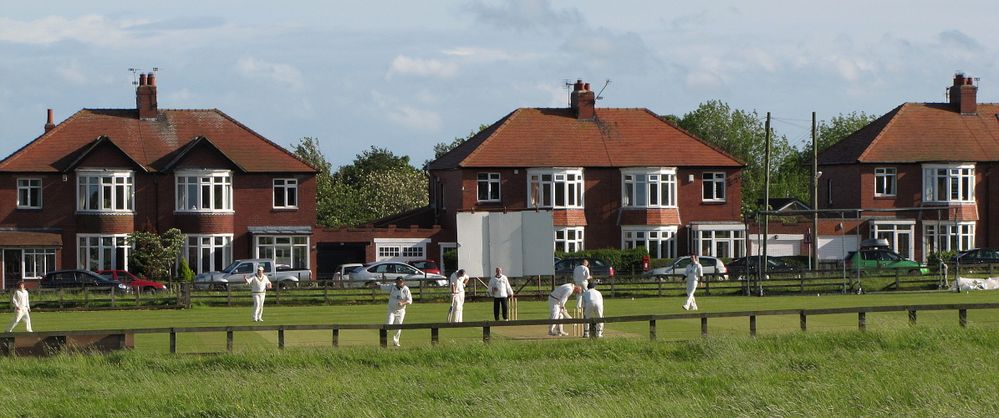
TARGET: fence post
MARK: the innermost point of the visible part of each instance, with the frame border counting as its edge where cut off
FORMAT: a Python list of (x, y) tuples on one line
[(173, 341), (707, 285), (704, 326), (540, 293), (434, 336), (373, 293), (112, 296), (86, 297), (281, 337), (801, 283), (803, 319), (326, 292), (659, 286), (862, 321), (137, 292), (277, 294), (9, 348), (912, 317), (962, 316), (486, 334), (188, 287), (336, 337), (652, 330), (613, 294), (383, 337), (752, 325), (898, 283), (228, 339), (60, 297), (228, 291)]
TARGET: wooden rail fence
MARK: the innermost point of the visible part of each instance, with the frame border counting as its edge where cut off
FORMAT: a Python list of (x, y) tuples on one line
[(7, 339)]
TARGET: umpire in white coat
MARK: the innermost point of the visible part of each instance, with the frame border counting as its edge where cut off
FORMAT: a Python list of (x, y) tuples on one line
[(399, 298), (593, 307)]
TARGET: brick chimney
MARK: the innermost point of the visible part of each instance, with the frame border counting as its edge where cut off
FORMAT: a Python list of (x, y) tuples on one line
[(964, 95), (582, 100), (145, 96), (49, 124)]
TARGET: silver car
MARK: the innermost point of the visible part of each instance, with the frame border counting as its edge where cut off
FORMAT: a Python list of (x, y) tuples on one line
[(385, 272), (710, 265)]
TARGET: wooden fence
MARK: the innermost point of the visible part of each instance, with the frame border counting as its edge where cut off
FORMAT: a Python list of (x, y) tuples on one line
[(7, 339)]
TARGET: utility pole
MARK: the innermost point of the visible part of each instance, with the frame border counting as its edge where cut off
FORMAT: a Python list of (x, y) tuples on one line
[(766, 206), (815, 197)]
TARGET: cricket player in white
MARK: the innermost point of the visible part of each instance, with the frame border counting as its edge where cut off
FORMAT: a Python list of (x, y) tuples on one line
[(458, 280), (399, 297), (581, 277), (21, 307), (593, 307), (259, 283), (556, 306), (694, 273), (501, 291)]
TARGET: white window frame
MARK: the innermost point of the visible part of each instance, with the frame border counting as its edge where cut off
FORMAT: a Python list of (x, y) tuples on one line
[(713, 235), (491, 181), (401, 249), (885, 182), (958, 183), (107, 253), (543, 185), (713, 178), (947, 236), (208, 245), (42, 260), (215, 181), (569, 239), (652, 187), (283, 249), (890, 230), (25, 185), (110, 185), (641, 236), (287, 188)]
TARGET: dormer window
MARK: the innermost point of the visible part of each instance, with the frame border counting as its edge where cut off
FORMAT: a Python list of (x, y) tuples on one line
[(555, 188), (949, 183), (648, 188)]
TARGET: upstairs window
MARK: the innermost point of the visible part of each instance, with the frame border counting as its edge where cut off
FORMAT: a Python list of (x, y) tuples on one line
[(947, 184), (569, 239), (204, 191), (884, 181), (488, 189), (713, 187), (104, 191), (555, 188), (29, 193), (649, 188), (285, 193)]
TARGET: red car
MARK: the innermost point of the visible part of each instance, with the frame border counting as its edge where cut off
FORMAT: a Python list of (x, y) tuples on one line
[(426, 266), (136, 283)]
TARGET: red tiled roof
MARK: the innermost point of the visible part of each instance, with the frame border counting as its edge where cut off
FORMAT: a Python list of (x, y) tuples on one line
[(918, 132), (152, 143), (533, 137)]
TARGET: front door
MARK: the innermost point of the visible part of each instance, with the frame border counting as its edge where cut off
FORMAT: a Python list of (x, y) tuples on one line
[(11, 268)]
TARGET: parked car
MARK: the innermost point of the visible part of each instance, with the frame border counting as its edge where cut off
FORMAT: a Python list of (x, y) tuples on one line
[(80, 278), (979, 256), (139, 284), (429, 266), (342, 272), (875, 255), (374, 274), (712, 267), (738, 267), (237, 272), (598, 268)]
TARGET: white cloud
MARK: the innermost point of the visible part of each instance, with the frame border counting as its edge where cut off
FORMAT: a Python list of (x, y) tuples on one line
[(479, 54), (404, 65), (72, 73), (524, 14), (279, 73), (407, 115), (92, 29)]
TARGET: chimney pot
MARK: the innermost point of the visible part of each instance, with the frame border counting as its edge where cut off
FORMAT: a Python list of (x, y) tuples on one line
[(964, 95), (151, 79), (145, 96), (49, 124), (586, 86), (142, 79), (582, 101)]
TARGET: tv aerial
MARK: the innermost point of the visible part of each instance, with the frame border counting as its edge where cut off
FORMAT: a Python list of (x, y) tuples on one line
[(136, 72)]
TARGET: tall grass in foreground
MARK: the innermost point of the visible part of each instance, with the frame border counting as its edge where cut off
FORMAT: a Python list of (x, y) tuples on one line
[(919, 371)]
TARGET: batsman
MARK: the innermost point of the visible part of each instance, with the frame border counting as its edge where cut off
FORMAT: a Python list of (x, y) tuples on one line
[(458, 281), (556, 306)]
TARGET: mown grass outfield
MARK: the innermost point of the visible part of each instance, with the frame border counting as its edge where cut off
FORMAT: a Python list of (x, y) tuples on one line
[(931, 369)]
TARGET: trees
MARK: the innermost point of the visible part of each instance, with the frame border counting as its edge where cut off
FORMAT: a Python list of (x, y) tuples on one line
[(308, 150), (442, 148), (155, 254)]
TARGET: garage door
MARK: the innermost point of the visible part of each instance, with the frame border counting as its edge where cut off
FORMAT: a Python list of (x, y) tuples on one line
[(836, 247), (779, 245), (332, 254)]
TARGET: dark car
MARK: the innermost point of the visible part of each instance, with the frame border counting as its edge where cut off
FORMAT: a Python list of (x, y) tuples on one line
[(565, 266), (80, 278), (139, 284), (737, 268), (979, 256)]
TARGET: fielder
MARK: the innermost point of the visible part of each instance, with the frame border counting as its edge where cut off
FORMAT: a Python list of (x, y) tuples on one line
[(399, 297), (21, 307), (259, 283), (581, 277), (556, 306), (458, 281), (694, 273), (593, 307)]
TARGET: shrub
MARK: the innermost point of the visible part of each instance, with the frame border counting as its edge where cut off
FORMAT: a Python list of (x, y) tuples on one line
[(934, 260), (186, 274), (622, 260)]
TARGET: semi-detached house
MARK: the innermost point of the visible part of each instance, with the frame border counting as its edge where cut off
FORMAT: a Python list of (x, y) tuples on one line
[(69, 198)]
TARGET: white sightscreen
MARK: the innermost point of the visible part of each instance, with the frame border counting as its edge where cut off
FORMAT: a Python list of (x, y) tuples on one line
[(522, 243), (832, 247)]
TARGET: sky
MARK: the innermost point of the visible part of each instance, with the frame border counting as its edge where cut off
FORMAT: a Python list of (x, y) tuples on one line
[(405, 75)]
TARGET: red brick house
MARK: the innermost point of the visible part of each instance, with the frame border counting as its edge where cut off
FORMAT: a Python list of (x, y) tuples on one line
[(942, 157), (615, 178), (69, 197)]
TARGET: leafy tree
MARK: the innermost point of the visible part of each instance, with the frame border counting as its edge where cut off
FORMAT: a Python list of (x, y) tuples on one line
[(372, 160), (839, 127), (155, 254), (442, 148), (308, 150)]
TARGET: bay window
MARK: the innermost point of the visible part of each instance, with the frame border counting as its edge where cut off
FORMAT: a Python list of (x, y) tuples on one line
[(204, 191), (649, 188), (104, 191), (569, 239), (720, 240), (949, 183), (102, 252), (947, 236), (38, 261), (207, 253), (660, 241), (289, 250), (555, 188)]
